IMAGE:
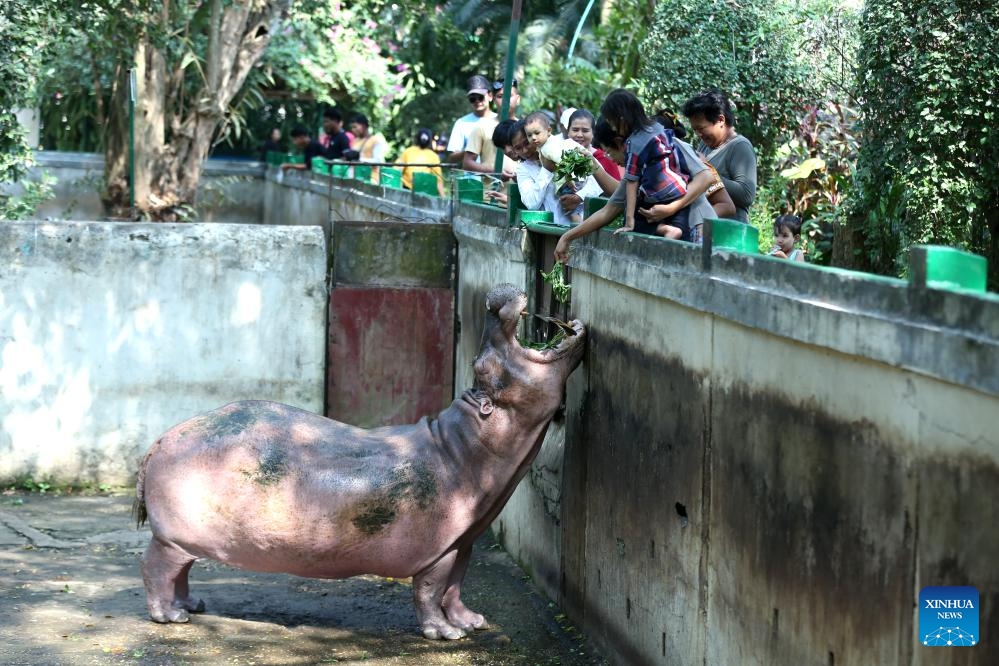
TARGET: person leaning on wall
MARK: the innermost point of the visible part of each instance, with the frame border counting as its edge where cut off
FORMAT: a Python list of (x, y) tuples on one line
[(716, 193), (310, 148)]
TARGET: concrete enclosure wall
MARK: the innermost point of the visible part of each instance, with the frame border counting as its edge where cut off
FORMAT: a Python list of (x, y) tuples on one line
[(112, 332), (229, 192)]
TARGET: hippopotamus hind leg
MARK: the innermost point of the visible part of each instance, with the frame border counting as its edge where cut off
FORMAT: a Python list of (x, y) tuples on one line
[(164, 573), (457, 613), (182, 595), (428, 594)]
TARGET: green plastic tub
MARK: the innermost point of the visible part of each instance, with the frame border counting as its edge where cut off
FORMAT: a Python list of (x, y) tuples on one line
[(734, 235), (470, 190), (390, 177), (425, 183), (362, 173), (514, 204), (541, 222), (950, 268)]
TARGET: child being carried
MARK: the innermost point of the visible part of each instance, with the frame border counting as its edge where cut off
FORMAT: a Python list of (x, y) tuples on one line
[(654, 169), (568, 161)]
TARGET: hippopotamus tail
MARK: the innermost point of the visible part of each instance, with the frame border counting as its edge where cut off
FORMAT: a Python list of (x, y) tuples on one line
[(139, 505), (139, 511)]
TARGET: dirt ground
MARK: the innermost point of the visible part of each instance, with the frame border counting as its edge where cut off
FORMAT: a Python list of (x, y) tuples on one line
[(72, 594)]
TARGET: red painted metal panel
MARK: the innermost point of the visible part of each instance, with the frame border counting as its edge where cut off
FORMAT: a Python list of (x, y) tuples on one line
[(390, 354)]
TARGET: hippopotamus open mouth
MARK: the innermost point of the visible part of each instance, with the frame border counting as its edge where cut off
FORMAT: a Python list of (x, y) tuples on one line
[(509, 305), (572, 335)]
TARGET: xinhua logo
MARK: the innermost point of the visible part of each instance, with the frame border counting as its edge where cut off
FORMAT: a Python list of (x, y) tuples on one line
[(948, 616)]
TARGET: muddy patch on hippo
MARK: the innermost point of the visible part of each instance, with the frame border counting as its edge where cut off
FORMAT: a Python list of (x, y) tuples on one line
[(269, 487)]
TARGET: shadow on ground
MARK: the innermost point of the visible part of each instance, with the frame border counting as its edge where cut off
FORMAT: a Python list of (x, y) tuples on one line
[(69, 578)]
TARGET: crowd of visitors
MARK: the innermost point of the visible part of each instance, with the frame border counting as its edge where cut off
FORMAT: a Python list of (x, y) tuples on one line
[(661, 184)]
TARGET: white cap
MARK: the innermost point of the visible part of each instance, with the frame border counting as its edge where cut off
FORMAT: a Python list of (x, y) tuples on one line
[(564, 118)]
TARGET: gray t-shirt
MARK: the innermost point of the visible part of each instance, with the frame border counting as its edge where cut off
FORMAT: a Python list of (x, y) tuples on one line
[(735, 163)]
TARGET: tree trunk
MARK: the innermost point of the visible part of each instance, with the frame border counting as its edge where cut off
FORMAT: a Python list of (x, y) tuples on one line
[(115, 197), (150, 134), (174, 130)]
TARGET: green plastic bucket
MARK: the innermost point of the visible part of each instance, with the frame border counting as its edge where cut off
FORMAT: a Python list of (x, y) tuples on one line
[(950, 268), (425, 183), (391, 177), (470, 190), (592, 204), (542, 222), (537, 216), (734, 235)]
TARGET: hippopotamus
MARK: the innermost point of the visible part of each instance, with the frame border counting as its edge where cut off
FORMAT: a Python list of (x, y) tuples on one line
[(268, 487)]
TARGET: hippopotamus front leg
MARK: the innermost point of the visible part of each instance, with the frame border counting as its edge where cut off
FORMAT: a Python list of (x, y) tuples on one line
[(431, 586), (164, 571), (457, 613)]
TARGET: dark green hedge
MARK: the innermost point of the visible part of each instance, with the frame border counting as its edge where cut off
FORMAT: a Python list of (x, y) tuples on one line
[(751, 50), (928, 169)]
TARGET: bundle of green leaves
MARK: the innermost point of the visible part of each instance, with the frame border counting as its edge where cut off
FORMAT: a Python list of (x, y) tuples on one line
[(556, 278), (574, 165)]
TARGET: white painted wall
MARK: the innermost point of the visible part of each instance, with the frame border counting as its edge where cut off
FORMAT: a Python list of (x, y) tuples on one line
[(112, 332)]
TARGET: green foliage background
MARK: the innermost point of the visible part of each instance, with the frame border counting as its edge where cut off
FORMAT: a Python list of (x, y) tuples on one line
[(927, 170), (923, 86), (752, 50), (24, 29)]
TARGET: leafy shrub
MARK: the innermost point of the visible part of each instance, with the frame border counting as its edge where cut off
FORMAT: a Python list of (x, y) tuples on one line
[(750, 50), (33, 193), (24, 30), (815, 174), (768, 205), (578, 83)]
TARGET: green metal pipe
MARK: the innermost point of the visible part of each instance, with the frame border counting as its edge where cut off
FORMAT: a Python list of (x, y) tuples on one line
[(511, 56)]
